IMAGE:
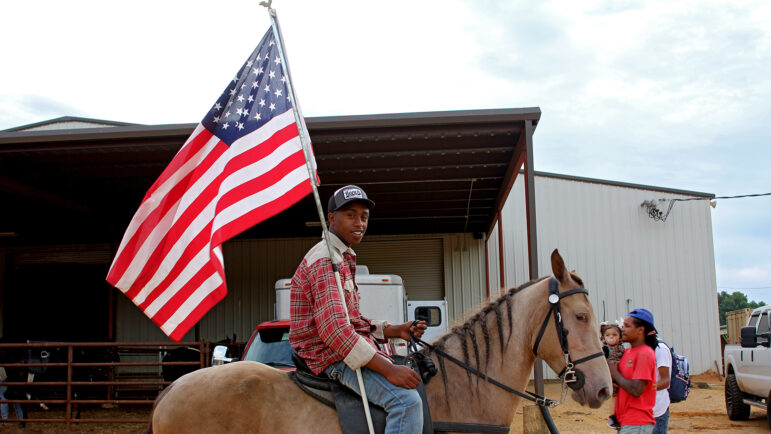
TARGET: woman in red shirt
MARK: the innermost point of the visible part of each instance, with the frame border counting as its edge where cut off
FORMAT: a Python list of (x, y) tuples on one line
[(636, 374)]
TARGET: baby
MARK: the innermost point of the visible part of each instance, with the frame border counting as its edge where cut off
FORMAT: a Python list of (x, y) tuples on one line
[(611, 338)]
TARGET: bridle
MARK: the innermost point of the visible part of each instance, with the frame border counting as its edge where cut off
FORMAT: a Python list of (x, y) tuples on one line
[(570, 376)]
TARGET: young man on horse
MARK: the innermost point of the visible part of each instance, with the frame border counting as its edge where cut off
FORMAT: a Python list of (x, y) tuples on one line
[(320, 334)]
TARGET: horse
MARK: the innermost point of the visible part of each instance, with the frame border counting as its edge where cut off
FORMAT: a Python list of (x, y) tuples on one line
[(498, 342)]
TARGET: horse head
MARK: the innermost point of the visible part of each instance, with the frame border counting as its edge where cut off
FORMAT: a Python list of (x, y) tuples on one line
[(569, 343)]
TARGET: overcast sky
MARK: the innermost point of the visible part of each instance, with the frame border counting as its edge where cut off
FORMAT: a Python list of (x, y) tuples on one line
[(672, 94)]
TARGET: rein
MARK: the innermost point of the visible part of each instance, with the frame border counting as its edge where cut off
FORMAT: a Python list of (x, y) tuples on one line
[(570, 376)]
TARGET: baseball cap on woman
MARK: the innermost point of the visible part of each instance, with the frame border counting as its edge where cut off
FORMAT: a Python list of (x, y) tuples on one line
[(643, 314)]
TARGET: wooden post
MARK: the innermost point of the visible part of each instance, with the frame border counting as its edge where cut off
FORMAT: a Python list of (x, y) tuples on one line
[(532, 421)]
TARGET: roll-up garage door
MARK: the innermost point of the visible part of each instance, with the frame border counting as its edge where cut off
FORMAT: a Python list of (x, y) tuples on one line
[(419, 262)]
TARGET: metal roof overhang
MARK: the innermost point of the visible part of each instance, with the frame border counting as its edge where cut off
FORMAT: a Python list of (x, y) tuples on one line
[(430, 172)]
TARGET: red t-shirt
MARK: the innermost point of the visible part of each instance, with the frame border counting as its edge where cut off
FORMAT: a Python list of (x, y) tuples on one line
[(637, 364)]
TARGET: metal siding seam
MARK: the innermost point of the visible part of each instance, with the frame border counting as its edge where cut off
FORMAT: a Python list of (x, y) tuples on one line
[(494, 272), (458, 255), (468, 296), (621, 245), (467, 267), (520, 268), (678, 265), (470, 274), (698, 284), (631, 273), (605, 271), (523, 264), (698, 259), (490, 251), (450, 290), (712, 281), (479, 245), (642, 270), (701, 283), (611, 247), (456, 301), (687, 283), (666, 255), (710, 287), (696, 256)]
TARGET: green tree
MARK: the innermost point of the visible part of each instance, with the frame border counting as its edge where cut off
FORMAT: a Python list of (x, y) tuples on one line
[(727, 302)]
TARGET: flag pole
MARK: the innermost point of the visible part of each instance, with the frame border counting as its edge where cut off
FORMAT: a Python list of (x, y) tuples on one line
[(312, 178)]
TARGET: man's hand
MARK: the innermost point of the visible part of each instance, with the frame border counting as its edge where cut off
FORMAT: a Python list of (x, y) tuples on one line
[(402, 376), (403, 331), (397, 375)]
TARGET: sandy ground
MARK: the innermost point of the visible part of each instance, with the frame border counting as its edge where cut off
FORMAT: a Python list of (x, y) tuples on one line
[(703, 411)]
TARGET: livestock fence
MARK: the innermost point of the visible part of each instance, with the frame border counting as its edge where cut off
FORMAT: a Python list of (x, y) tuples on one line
[(66, 376)]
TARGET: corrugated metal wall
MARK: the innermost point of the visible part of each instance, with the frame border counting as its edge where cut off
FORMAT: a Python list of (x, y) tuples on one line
[(252, 268), (419, 262), (464, 273), (626, 259), (433, 266)]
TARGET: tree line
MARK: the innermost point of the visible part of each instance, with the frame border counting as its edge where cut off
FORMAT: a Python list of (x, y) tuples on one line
[(737, 300)]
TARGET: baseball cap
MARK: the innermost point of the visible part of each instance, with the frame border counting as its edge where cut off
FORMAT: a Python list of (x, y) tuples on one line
[(643, 314), (346, 195)]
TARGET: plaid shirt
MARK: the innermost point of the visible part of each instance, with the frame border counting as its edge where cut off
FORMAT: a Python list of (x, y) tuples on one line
[(318, 331)]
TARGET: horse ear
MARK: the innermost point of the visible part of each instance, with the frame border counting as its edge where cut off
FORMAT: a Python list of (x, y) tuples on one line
[(558, 266)]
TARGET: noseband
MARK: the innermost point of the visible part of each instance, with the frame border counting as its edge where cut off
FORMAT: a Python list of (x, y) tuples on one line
[(574, 378)]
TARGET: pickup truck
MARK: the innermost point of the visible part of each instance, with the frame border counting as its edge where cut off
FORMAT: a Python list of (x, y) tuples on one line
[(269, 344), (748, 367)]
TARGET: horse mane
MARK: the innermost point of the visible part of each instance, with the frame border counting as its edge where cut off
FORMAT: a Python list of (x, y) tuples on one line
[(478, 315), (577, 278)]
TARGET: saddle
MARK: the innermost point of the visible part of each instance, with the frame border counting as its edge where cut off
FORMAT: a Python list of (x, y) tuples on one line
[(350, 409)]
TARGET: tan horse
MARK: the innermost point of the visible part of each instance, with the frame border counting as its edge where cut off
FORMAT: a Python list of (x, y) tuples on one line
[(498, 340)]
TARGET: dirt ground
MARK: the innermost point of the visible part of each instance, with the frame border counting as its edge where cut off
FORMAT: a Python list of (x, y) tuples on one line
[(703, 411)]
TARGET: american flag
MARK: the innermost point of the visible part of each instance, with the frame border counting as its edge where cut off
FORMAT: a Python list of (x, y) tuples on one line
[(243, 164)]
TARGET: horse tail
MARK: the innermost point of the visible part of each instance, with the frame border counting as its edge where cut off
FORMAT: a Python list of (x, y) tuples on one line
[(155, 404)]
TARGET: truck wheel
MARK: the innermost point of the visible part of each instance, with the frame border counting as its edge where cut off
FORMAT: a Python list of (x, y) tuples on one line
[(735, 407), (768, 410)]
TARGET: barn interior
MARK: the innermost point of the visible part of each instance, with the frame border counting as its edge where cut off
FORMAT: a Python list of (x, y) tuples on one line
[(70, 186)]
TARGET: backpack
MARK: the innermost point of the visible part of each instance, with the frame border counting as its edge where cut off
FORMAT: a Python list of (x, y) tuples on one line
[(680, 376)]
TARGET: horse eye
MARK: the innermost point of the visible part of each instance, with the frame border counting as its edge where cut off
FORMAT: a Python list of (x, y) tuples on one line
[(582, 317)]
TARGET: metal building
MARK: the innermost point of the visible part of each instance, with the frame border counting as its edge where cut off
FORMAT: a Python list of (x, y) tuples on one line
[(440, 180), (72, 185), (626, 258)]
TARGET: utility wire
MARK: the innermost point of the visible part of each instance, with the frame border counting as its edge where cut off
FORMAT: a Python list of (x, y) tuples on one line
[(657, 214), (757, 287), (719, 197)]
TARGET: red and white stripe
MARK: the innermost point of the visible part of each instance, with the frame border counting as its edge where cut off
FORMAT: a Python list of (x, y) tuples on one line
[(169, 262)]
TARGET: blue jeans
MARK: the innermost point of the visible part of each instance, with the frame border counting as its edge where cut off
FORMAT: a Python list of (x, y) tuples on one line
[(636, 429), (662, 423), (403, 406), (4, 407)]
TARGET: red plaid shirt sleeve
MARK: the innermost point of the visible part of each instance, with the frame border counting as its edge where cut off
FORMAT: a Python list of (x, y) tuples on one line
[(319, 331)]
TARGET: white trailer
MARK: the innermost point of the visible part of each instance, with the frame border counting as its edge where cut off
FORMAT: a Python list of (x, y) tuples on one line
[(382, 296)]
